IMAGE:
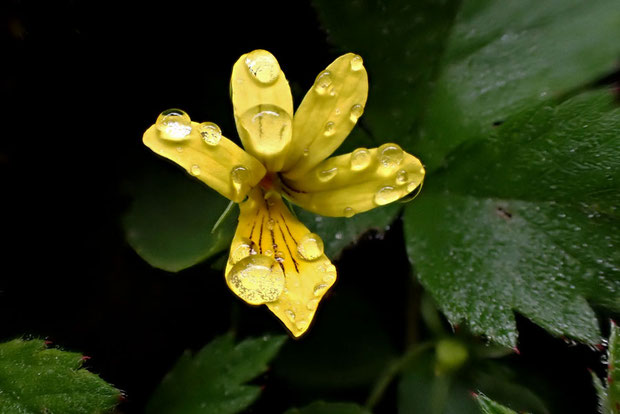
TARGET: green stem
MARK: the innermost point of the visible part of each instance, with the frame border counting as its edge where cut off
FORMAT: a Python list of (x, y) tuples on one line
[(393, 369)]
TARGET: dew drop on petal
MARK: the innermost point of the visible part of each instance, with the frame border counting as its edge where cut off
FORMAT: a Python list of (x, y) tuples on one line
[(329, 274), (320, 289), (329, 129), (301, 325), (263, 66), (241, 250), (239, 176), (402, 177), (360, 159), (386, 195), (290, 314), (179, 149), (357, 63), (257, 279), (271, 223), (310, 247), (323, 82), (390, 155), (174, 125), (412, 186), (279, 256), (211, 133), (269, 126), (356, 111), (195, 170), (348, 212), (312, 304), (306, 152), (328, 174)]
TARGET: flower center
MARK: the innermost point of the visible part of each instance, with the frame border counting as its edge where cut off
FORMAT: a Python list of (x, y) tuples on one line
[(270, 182)]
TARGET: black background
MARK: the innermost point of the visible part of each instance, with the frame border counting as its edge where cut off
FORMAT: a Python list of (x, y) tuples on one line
[(82, 81)]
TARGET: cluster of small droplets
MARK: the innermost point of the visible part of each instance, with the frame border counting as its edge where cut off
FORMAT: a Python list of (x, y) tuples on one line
[(257, 279), (310, 247), (174, 125), (263, 66), (211, 133)]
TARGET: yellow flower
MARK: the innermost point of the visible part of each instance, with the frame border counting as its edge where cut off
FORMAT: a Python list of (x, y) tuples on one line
[(274, 259)]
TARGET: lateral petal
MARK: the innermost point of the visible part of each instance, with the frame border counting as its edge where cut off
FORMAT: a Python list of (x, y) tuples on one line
[(263, 107), (225, 167), (275, 260), (356, 182), (327, 114)]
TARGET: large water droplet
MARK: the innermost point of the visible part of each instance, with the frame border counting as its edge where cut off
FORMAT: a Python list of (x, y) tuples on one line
[(310, 247), (390, 155), (263, 66), (243, 249), (357, 63), (323, 82), (328, 174), (269, 126), (348, 212), (211, 133), (386, 195), (360, 159), (402, 177), (257, 279), (329, 129), (195, 170), (174, 125), (356, 111), (239, 176)]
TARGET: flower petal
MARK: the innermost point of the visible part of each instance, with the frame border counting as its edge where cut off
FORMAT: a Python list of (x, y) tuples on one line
[(276, 261), (327, 114), (263, 107), (225, 167), (356, 182)]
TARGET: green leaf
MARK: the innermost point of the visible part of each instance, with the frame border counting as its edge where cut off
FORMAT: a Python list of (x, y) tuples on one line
[(442, 72), (34, 379), (338, 232), (526, 221), (213, 380), (609, 395), (321, 407), (488, 406), (170, 220)]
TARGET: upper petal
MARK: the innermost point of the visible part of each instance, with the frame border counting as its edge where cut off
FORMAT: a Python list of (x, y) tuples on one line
[(263, 107), (327, 114), (225, 167), (356, 182), (276, 261)]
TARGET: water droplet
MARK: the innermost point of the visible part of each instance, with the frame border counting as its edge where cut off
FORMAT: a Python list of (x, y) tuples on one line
[(271, 223), (306, 152), (357, 63), (211, 133), (242, 250), (312, 304), (348, 212), (257, 279), (412, 186), (239, 176), (319, 289), (279, 256), (174, 125), (301, 325), (179, 149), (337, 111), (356, 111), (329, 275), (195, 170), (263, 66), (326, 175), (390, 155), (290, 314), (329, 129), (269, 126), (269, 252), (360, 159), (402, 177), (386, 195), (310, 247), (323, 82)]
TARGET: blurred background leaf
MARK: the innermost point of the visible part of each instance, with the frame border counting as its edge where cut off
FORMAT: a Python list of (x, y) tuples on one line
[(213, 380), (35, 379), (488, 406)]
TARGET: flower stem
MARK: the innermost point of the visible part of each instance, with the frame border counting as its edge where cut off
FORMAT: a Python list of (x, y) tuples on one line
[(393, 369)]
